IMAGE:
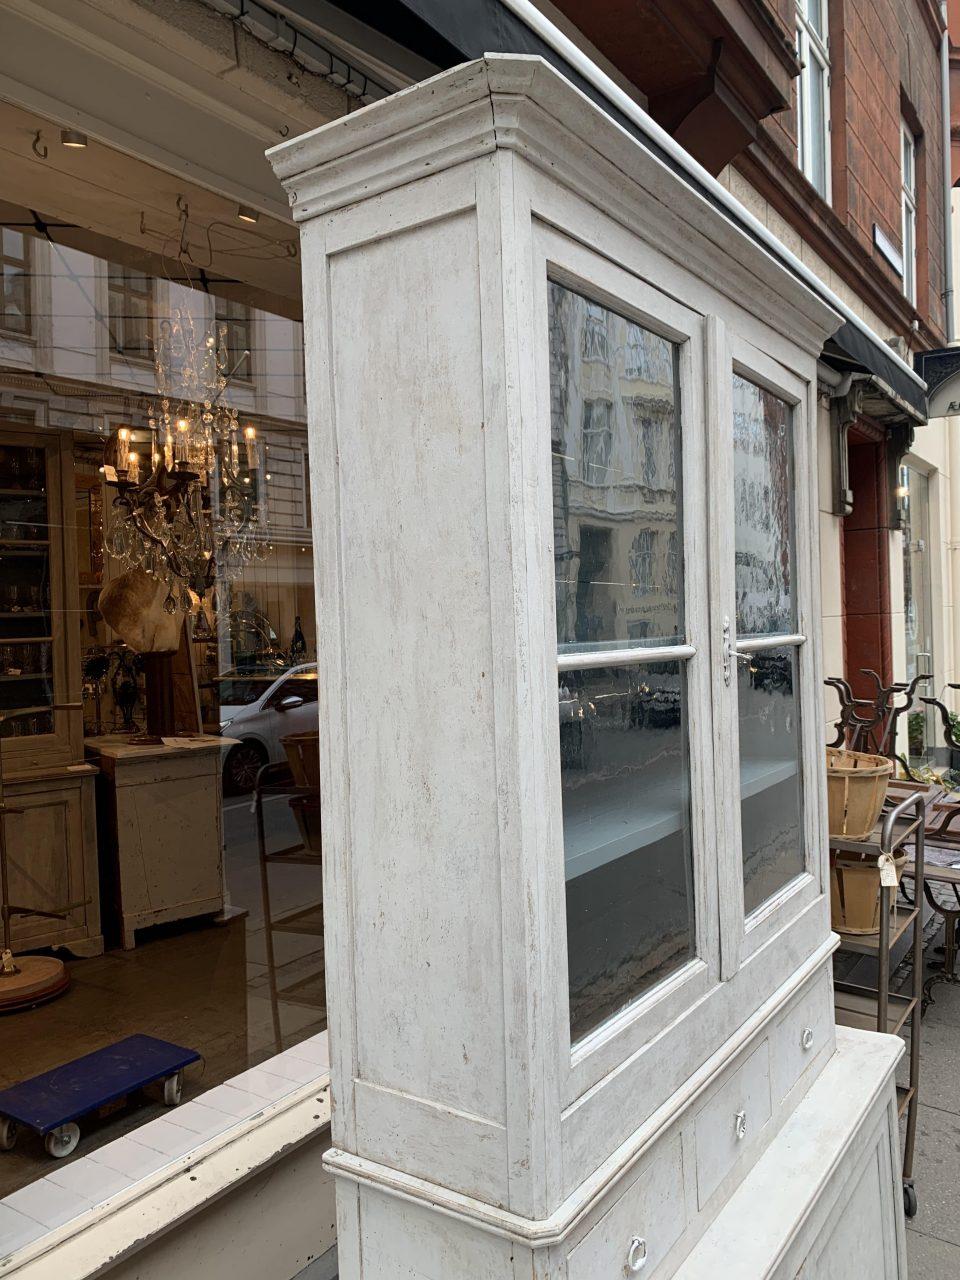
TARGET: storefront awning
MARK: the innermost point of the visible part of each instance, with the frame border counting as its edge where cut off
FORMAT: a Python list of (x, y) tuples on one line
[(941, 372)]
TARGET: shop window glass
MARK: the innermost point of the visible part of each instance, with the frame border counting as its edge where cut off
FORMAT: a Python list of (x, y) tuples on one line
[(182, 877), (624, 771)]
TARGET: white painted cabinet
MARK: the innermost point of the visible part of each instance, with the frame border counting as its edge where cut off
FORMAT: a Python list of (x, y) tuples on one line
[(562, 420)]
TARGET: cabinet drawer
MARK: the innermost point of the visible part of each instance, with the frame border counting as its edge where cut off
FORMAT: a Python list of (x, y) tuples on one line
[(651, 1210), (804, 1030), (727, 1125)]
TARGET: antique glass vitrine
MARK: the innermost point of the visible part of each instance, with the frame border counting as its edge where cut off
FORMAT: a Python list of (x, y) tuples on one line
[(579, 944)]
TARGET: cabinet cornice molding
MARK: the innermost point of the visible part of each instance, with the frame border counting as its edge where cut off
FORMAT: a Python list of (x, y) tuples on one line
[(520, 104)]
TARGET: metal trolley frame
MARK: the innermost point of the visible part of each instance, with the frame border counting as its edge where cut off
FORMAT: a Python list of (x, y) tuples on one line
[(878, 1008)]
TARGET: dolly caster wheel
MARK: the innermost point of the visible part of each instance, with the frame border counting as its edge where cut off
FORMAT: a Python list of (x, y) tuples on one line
[(909, 1200), (9, 1132), (173, 1090), (62, 1141)]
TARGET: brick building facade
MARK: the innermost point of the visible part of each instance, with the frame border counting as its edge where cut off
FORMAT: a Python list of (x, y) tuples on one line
[(864, 208)]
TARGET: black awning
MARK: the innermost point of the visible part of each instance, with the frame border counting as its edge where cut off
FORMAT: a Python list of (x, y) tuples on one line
[(851, 348), (447, 32)]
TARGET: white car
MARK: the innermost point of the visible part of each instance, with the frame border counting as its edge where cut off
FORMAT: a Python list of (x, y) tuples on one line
[(258, 709)]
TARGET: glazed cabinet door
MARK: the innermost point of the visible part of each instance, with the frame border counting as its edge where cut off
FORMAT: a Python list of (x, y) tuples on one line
[(633, 747), (765, 676)]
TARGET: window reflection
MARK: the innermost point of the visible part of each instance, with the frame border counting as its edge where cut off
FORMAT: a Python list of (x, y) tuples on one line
[(767, 689), (615, 437), (183, 876), (763, 497), (769, 773), (626, 822), (619, 584)]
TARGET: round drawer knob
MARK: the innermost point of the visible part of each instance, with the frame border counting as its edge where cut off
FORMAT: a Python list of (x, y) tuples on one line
[(636, 1256), (806, 1038), (740, 1125)]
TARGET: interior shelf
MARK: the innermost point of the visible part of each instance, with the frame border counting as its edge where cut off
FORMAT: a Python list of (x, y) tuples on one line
[(606, 819)]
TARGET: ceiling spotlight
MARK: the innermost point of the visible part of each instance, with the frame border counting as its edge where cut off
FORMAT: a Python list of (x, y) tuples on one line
[(246, 214), (73, 138)]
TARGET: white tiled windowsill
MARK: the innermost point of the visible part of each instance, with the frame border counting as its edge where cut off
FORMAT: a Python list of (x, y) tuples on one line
[(155, 1168)]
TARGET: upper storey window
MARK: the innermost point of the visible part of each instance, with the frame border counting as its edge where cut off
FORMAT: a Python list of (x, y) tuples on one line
[(15, 296), (131, 312), (813, 94)]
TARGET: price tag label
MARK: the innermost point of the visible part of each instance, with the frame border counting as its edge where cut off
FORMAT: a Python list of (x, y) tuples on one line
[(888, 871)]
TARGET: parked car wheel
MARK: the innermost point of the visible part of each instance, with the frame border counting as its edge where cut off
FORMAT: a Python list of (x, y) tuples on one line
[(240, 769)]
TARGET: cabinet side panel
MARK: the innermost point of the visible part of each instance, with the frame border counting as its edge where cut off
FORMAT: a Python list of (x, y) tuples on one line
[(406, 351)]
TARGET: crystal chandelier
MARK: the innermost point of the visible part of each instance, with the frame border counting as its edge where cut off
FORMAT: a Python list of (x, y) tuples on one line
[(187, 508)]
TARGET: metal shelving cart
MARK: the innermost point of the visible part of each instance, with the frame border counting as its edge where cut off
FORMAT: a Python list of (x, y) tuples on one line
[(878, 1008)]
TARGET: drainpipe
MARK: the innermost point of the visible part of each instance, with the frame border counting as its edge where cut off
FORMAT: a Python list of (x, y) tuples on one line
[(947, 175)]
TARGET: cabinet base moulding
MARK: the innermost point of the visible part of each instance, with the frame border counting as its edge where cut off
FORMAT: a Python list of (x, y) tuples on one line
[(790, 1216)]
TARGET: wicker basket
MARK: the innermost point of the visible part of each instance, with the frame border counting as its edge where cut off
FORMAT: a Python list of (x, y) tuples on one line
[(856, 786), (303, 756), (855, 892)]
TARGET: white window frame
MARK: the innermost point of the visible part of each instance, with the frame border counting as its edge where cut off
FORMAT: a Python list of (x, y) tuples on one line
[(908, 209), (651, 1012), (743, 935), (812, 46)]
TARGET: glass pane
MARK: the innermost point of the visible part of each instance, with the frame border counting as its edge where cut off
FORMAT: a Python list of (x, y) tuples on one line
[(770, 797), (626, 830), (922, 725), (237, 989), (13, 244), (907, 143), (909, 251), (818, 125), (763, 487), (15, 311), (616, 478), (815, 15)]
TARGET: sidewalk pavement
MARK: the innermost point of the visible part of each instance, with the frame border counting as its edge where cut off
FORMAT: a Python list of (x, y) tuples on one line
[(933, 1236)]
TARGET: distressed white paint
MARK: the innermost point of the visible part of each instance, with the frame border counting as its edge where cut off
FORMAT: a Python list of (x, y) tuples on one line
[(465, 1119)]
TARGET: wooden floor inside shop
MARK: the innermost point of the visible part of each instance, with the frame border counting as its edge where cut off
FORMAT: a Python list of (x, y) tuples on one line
[(206, 986)]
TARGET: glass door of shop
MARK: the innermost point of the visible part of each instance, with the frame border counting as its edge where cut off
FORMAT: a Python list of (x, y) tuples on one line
[(917, 609)]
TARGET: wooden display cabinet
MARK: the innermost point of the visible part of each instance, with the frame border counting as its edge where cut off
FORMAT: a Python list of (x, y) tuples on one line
[(52, 842), (579, 981)]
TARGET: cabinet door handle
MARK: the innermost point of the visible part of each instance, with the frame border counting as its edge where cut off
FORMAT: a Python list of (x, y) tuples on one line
[(636, 1256), (806, 1039), (740, 1125)]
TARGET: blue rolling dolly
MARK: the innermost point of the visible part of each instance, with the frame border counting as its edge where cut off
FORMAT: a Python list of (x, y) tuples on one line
[(52, 1103)]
